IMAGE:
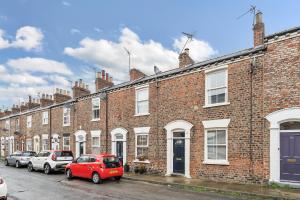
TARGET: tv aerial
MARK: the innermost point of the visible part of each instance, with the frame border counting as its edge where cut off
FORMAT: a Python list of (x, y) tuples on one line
[(189, 39), (252, 10)]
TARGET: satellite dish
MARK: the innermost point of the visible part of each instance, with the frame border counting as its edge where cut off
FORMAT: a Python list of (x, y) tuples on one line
[(156, 70)]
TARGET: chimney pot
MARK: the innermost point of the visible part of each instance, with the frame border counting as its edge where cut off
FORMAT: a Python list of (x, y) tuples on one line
[(103, 74), (187, 51), (107, 76)]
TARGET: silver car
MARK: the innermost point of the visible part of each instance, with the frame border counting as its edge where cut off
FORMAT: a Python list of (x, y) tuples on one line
[(19, 158)]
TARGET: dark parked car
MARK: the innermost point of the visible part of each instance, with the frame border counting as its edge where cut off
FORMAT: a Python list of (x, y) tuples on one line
[(19, 158)]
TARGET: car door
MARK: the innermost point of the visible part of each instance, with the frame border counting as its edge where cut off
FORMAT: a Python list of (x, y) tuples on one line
[(10, 159), (43, 159), (75, 166), (82, 166), (36, 160)]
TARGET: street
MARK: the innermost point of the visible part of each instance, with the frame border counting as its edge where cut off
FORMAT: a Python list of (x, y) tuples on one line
[(36, 185)]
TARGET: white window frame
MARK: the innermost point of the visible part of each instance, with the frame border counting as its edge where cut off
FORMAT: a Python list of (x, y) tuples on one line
[(96, 134), (139, 132), (7, 124), (66, 110), (93, 109), (207, 73), (138, 89), (215, 125), (29, 121), (68, 146), (45, 117), (31, 147), (45, 137)]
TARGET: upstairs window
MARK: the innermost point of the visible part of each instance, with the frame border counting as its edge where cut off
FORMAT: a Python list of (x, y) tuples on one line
[(7, 125), (95, 109), (142, 101), (66, 116), (29, 121), (45, 117), (216, 87)]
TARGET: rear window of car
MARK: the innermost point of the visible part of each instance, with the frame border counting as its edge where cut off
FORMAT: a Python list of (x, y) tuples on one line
[(29, 154), (111, 161), (64, 154)]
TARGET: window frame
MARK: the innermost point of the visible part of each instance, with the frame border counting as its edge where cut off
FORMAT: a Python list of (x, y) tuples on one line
[(96, 134), (66, 109), (93, 109), (215, 161), (141, 146), (29, 121), (44, 117), (138, 89), (69, 146), (7, 124), (212, 71), (17, 124)]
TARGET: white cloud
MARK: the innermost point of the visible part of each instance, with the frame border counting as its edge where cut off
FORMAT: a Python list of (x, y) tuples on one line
[(59, 80), (39, 65), (27, 38), (75, 31), (144, 54), (65, 3), (98, 30)]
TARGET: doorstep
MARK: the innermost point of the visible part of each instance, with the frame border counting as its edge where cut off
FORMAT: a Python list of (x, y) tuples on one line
[(211, 186)]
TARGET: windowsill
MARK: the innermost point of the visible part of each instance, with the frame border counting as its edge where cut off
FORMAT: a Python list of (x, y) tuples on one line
[(216, 105), (95, 120), (45, 124), (66, 125), (141, 114), (139, 161), (216, 162)]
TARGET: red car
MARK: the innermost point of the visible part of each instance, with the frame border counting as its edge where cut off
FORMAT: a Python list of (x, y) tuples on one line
[(95, 167)]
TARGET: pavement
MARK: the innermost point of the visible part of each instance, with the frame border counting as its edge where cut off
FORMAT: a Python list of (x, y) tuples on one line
[(239, 190), (24, 185)]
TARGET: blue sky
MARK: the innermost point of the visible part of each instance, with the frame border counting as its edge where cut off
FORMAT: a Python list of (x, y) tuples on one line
[(61, 40)]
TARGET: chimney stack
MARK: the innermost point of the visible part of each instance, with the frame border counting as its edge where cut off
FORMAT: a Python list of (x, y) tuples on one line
[(103, 80), (80, 89), (15, 109), (136, 74), (32, 103), (46, 100), (258, 29), (185, 59), (60, 96)]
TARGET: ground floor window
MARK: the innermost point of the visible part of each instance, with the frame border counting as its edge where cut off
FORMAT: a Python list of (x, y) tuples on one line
[(66, 143), (95, 137), (216, 145), (45, 144), (29, 144), (142, 146)]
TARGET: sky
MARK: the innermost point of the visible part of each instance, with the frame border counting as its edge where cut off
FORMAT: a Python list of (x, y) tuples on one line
[(48, 44)]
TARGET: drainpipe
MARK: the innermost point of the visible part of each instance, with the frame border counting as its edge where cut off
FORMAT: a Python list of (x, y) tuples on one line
[(50, 129), (252, 68), (157, 113), (106, 122)]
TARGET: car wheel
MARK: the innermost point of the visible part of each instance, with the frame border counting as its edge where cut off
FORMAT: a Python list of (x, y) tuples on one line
[(30, 167), (6, 162), (117, 178), (18, 164), (47, 169), (96, 178), (69, 174)]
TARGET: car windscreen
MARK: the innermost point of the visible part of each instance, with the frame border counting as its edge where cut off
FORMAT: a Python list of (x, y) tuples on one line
[(64, 154), (27, 154), (111, 162)]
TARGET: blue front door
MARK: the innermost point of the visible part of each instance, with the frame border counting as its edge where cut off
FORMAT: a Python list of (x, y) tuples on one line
[(178, 159), (290, 156)]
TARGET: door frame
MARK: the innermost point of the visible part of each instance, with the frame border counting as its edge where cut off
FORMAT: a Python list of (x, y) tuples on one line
[(123, 132), (175, 126), (276, 118), (80, 136)]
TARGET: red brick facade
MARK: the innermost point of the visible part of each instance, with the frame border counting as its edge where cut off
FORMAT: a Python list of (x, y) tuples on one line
[(260, 81)]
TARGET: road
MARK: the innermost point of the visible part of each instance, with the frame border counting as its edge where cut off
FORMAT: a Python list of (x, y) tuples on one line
[(26, 185)]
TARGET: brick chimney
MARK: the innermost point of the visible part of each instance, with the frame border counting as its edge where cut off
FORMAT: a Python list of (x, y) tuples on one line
[(185, 59), (46, 100), (258, 29), (15, 109), (32, 103), (103, 80), (80, 89), (61, 95), (1, 113), (7, 112), (136, 74), (24, 106)]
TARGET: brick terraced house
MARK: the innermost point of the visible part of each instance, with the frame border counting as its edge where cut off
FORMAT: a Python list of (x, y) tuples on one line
[(235, 118)]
